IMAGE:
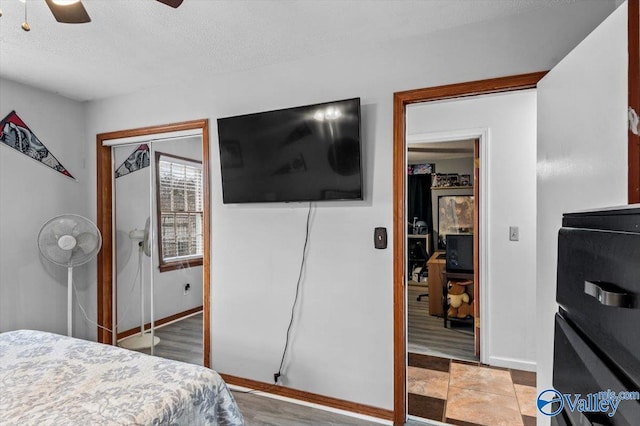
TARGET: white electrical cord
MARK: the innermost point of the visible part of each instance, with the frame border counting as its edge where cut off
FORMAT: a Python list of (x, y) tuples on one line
[(124, 314), (85, 314)]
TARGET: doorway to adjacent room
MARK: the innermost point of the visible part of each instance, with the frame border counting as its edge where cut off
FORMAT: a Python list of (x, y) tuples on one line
[(443, 302), (441, 213), (424, 98), (445, 379)]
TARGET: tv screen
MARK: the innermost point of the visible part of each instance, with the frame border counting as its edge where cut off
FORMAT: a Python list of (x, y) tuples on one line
[(459, 253), (306, 153)]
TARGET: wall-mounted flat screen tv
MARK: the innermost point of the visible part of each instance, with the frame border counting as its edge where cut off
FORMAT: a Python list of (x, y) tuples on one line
[(306, 153)]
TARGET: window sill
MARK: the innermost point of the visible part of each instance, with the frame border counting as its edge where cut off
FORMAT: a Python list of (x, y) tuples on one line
[(180, 264)]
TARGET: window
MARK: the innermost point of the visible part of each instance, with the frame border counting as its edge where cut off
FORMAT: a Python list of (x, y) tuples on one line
[(180, 211)]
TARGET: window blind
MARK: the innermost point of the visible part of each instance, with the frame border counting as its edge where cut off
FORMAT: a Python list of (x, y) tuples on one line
[(181, 208)]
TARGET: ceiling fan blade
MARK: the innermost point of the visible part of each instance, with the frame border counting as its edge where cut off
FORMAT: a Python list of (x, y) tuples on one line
[(172, 3), (69, 14)]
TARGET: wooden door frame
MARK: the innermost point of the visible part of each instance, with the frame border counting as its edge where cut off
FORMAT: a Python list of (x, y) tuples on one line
[(105, 224), (400, 102)]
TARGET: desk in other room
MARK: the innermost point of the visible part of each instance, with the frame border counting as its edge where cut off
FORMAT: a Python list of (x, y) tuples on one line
[(435, 267)]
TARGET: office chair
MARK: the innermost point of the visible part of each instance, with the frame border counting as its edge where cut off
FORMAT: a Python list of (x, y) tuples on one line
[(424, 255)]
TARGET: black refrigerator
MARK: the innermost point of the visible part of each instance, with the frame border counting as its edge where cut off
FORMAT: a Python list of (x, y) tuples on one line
[(597, 327)]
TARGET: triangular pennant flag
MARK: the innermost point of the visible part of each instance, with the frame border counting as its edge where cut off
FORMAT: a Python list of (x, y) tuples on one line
[(139, 159), (17, 135)]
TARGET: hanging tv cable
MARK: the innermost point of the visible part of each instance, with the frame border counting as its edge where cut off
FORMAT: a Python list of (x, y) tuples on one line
[(277, 375)]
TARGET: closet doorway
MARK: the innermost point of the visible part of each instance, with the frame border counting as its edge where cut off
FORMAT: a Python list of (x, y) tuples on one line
[(184, 147), (442, 213)]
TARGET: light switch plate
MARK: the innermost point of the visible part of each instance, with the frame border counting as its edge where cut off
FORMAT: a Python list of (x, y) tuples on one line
[(380, 238), (514, 233)]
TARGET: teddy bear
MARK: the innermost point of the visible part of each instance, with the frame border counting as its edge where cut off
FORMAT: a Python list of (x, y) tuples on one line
[(458, 299)]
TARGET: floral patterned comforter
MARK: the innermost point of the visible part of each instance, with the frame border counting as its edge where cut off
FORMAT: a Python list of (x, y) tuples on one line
[(48, 379)]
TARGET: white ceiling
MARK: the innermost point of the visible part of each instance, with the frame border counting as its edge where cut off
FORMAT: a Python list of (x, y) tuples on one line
[(134, 44)]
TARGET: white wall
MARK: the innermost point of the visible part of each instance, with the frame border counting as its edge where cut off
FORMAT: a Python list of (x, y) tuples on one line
[(508, 163), (32, 290), (133, 193), (582, 153), (453, 165), (342, 344)]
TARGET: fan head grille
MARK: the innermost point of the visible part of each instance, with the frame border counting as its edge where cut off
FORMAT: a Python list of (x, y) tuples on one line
[(69, 240)]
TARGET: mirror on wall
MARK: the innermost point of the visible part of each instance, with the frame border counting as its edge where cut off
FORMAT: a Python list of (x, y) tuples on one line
[(158, 212)]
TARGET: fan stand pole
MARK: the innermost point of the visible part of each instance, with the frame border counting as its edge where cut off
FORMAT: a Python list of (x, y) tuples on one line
[(70, 301), (152, 333), (141, 292), (144, 340)]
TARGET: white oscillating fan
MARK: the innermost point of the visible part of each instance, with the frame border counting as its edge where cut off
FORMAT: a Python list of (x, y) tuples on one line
[(143, 236), (143, 340), (69, 240)]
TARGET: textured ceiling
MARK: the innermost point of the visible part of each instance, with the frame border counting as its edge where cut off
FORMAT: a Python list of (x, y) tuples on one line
[(134, 44)]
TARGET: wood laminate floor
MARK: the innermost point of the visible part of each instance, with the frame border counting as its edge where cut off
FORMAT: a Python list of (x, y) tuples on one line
[(264, 411), (181, 340), (427, 335)]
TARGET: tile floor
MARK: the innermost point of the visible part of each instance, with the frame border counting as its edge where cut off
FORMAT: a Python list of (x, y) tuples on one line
[(470, 394)]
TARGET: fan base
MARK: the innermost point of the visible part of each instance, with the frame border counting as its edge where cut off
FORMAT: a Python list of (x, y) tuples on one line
[(139, 342)]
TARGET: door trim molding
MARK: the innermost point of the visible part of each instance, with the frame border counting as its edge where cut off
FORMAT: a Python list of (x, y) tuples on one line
[(400, 102), (105, 225)]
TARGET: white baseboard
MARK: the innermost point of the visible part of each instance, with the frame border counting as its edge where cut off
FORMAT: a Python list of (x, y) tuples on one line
[(516, 364)]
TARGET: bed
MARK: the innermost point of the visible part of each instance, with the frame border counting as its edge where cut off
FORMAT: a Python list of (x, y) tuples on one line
[(48, 379)]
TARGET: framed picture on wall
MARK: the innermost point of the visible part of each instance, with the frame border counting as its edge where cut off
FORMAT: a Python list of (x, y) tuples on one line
[(455, 216), (423, 169)]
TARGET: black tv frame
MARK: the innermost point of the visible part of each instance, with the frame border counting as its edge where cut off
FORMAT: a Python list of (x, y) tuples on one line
[(455, 260), (328, 194)]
